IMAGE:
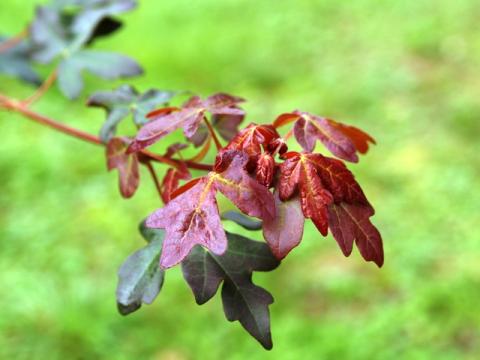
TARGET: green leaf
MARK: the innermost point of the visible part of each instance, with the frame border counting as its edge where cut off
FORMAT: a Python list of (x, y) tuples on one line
[(126, 100), (242, 300), (95, 11), (103, 64), (50, 36), (58, 33), (243, 220), (16, 62), (140, 276)]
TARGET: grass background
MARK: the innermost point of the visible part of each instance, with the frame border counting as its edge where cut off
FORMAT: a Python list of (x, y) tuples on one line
[(405, 71)]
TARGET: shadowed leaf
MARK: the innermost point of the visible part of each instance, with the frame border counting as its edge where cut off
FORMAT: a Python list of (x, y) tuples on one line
[(244, 221), (227, 125), (285, 231), (16, 62), (242, 300), (140, 276)]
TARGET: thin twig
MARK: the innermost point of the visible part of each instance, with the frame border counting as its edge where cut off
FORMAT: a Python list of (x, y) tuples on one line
[(42, 89), (19, 107), (13, 41), (212, 132), (152, 172)]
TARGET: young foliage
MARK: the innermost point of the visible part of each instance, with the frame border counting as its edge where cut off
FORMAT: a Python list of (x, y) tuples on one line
[(126, 100), (192, 217), (188, 117), (343, 141), (126, 164), (285, 230)]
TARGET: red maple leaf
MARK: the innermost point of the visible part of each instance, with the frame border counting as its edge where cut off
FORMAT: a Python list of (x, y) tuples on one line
[(192, 217), (251, 139), (331, 197), (265, 169), (173, 176), (342, 140), (188, 117), (171, 181), (285, 231), (299, 173), (348, 216), (126, 164)]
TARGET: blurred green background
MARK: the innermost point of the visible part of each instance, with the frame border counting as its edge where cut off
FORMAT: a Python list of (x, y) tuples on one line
[(405, 71)]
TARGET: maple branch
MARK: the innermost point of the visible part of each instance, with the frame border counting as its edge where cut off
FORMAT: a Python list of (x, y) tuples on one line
[(19, 107), (42, 89), (12, 42), (212, 132)]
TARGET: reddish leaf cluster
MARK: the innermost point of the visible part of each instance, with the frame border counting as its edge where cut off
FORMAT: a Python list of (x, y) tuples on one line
[(192, 217), (258, 174), (189, 117), (254, 170), (306, 185)]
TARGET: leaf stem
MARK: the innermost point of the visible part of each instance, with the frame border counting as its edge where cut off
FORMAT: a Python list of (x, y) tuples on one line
[(288, 135), (13, 41), (19, 107), (152, 172), (49, 81), (212, 132)]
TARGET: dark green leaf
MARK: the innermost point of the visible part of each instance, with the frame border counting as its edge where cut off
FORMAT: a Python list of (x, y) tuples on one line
[(140, 276), (103, 64), (126, 100), (150, 234), (55, 31), (95, 11), (245, 221), (105, 27), (16, 62), (242, 300)]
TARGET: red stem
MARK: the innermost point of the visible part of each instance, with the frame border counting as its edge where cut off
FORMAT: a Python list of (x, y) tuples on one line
[(212, 132), (18, 106), (152, 172), (42, 89), (12, 42)]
